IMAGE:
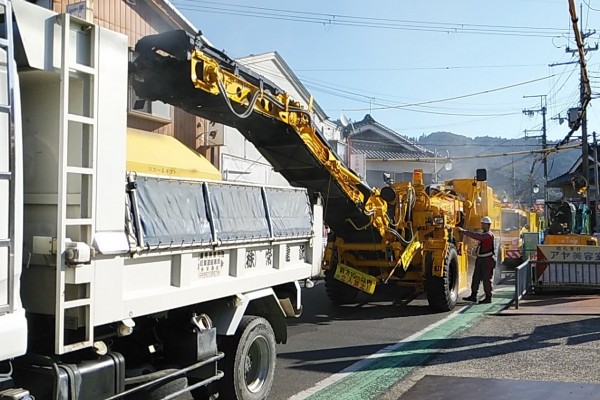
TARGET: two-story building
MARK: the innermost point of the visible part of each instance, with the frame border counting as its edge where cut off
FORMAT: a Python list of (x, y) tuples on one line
[(374, 149)]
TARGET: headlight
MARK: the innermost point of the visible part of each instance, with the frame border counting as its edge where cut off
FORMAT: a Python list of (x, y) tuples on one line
[(438, 220)]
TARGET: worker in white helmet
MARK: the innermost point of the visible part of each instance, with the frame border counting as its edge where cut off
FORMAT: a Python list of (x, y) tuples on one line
[(485, 262)]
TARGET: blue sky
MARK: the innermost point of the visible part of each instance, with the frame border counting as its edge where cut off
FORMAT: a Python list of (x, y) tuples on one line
[(399, 60)]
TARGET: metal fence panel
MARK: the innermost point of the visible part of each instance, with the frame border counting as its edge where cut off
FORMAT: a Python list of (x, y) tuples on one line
[(523, 274), (568, 274)]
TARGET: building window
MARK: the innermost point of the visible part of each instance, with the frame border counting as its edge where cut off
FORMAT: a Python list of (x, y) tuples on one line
[(43, 3), (153, 109)]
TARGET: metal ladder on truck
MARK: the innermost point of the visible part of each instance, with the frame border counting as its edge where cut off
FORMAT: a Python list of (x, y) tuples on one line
[(8, 164), (74, 325)]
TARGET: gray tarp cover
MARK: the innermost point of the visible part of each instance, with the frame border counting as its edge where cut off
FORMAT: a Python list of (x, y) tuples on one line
[(175, 212), (172, 212), (290, 212), (238, 212)]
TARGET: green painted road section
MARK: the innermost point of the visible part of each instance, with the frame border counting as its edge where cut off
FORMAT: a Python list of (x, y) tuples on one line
[(376, 377)]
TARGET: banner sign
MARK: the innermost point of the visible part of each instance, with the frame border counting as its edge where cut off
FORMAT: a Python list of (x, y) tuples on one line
[(568, 253)]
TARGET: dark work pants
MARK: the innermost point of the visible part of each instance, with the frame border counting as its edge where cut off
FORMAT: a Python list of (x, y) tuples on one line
[(484, 270)]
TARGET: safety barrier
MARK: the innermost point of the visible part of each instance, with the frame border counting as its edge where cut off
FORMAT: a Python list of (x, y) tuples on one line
[(564, 275), (523, 280)]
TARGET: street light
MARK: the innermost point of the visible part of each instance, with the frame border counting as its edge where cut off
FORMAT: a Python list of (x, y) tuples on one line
[(448, 165), (535, 189)]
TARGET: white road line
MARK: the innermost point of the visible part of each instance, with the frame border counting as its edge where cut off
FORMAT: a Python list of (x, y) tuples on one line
[(357, 366)]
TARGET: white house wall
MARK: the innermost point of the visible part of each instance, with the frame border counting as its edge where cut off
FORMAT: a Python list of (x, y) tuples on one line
[(395, 167), (402, 166), (239, 154), (331, 130), (266, 66), (240, 160)]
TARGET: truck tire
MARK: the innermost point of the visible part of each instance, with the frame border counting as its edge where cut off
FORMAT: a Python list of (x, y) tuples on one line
[(442, 292), (338, 292), (249, 362)]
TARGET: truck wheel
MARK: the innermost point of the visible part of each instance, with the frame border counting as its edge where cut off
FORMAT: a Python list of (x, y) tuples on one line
[(442, 292), (249, 362), (337, 291)]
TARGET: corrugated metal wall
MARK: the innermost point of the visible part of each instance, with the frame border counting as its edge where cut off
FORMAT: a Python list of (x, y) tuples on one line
[(138, 18)]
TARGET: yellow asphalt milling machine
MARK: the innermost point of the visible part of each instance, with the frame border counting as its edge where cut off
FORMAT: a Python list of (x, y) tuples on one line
[(405, 233)]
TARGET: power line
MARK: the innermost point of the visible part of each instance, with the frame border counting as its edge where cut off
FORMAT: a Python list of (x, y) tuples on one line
[(461, 96), (447, 68), (510, 153), (590, 7), (319, 82), (489, 146), (353, 95), (363, 21)]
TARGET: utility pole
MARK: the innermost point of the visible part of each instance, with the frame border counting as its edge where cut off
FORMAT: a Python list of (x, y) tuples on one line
[(597, 211), (584, 144), (582, 98), (541, 110), (435, 180), (514, 191)]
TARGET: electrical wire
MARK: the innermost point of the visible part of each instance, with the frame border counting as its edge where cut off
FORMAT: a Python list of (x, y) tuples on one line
[(331, 19), (462, 96), (356, 96), (380, 106), (447, 68), (589, 7)]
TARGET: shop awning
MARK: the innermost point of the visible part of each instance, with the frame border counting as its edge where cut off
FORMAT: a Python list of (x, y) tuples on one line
[(157, 154)]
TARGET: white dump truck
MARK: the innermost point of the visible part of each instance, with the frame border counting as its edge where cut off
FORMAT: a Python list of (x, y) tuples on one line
[(122, 278)]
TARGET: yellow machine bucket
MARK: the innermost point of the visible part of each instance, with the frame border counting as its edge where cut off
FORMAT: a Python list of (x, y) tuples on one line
[(156, 154)]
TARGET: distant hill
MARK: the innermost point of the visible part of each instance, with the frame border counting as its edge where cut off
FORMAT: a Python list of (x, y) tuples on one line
[(510, 174)]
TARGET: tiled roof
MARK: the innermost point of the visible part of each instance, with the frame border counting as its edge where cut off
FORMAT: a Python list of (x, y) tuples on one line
[(389, 155), (385, 151), (561, 180), (368, 121)]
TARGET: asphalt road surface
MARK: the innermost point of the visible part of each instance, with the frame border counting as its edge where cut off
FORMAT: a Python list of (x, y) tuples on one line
[(327, 339)]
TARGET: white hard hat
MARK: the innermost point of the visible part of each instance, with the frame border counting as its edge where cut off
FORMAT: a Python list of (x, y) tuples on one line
[(486, 220)]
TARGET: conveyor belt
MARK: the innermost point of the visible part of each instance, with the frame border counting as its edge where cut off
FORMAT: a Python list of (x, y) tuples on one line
[(167, 79)]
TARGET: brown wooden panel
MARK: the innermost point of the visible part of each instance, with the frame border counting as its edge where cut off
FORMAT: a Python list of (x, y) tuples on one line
[(147, 17), (150, 125), (185, 128)]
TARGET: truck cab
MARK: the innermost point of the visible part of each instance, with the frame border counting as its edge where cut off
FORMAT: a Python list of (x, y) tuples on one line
[(515, 222)]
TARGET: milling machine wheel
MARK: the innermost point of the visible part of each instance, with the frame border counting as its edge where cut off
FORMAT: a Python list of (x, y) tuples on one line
[(337, 291), (442, 292)]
